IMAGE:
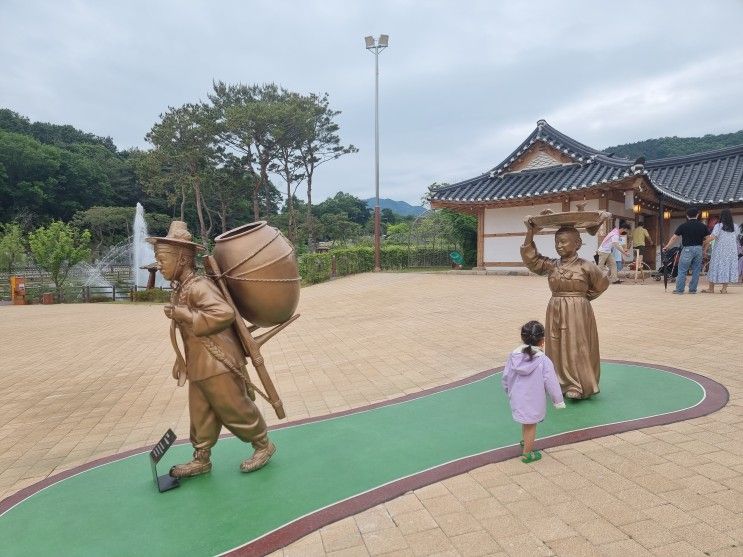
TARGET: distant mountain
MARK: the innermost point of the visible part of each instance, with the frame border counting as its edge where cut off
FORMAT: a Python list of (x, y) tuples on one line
[(675, 146), (398, 207)]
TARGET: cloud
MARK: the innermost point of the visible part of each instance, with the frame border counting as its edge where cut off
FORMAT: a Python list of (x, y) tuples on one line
[(667, 98), (460, 85)]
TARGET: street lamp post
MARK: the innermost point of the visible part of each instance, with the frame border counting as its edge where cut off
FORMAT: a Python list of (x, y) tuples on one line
[(376, 47)]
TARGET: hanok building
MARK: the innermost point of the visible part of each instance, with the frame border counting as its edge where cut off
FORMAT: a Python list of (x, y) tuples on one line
[(550, 170)]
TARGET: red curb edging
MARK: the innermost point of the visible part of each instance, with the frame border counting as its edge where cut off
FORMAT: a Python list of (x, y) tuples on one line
[(716, 397)]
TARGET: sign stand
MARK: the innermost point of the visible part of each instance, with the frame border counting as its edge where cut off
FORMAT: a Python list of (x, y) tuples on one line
[(165, 482)]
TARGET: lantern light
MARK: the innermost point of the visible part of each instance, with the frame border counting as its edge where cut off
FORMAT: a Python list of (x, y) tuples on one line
[(667, 214)]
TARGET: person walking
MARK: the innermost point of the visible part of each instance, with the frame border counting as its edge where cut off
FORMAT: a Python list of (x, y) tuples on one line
[(528, 374), (723, 265), (610, 242), (640, 239), (618, 255), (692, 234)]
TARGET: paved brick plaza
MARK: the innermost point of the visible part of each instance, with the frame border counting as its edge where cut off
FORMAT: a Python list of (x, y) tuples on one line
[(78, 382)]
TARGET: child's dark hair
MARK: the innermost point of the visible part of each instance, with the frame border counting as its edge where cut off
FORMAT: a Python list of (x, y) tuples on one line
[(532, 334)]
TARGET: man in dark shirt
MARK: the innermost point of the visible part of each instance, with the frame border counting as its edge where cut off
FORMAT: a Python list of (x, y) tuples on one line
[(692, 234)]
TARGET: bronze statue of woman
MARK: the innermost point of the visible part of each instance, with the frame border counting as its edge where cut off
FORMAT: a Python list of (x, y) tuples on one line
[(571, 337)]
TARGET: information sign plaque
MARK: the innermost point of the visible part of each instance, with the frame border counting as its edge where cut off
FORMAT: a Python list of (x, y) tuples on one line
[(165, 482)]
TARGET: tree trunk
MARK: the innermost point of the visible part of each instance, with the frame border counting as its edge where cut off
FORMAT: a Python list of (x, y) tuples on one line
[(310, 223), (199, 210), (223, 215), (264, 179), (290, 211), (256, 205), (183, 202)]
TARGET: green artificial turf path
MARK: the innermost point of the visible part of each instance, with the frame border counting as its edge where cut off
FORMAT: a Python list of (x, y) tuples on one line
[(115, 509)]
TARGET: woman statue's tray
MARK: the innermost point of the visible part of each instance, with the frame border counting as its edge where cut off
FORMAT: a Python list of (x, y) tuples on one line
[(589, 220)]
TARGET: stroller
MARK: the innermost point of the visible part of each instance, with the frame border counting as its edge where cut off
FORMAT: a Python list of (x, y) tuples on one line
[(669, 263)]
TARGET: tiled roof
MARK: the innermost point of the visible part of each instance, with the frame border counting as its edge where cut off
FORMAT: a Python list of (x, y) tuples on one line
[(536, 182), (710, 178), (552, 137), (715, 177)]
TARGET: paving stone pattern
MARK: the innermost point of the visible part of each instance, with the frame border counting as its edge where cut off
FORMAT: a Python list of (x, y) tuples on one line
[(79, 382)]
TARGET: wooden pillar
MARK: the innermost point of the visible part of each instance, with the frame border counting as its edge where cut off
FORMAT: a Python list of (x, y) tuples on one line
[(661, 223), (481, 239)]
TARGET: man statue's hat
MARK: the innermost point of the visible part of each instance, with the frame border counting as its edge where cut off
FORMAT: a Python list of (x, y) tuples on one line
[(178, 235)]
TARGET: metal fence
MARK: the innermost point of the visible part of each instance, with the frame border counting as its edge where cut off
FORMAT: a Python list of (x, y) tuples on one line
[(81, 294)]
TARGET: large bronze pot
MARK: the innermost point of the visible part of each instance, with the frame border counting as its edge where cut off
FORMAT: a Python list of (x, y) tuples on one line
[(260, 270)]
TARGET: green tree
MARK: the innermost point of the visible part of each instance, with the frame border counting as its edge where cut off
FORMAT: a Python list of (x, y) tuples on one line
[(13, 122), (388, 217), (46, 180), (107, 225), (226, 187), (57, 248), (398, 233), (121, 186), (31, 172), (464, 231), (287, 162), (354, 208), (338, 228), (319, 143), (185, 151), (12, 250), (248, 118), (675, 146), (81, 183)]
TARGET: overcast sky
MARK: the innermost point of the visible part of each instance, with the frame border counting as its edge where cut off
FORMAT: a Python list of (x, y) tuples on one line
[(461, 84)]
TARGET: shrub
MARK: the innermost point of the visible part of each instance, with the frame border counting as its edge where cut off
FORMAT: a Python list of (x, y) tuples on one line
[(155, 295), (314, 267), (317, 267), (349, 261)]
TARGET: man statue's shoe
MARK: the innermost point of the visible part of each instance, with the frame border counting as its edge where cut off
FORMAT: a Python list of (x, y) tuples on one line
[(264, 450), (199, 465)]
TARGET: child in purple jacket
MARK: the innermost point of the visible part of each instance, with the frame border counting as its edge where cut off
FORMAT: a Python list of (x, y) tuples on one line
[(529, 373)]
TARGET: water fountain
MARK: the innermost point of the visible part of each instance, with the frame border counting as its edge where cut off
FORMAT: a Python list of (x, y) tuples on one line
[(132, 253), (142, 252)]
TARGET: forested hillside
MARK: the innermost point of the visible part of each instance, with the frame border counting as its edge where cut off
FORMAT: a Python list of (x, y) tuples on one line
[(209, 165), (49, 171), (675, 146)]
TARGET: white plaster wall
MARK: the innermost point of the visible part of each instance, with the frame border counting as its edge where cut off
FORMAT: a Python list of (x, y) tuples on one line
[(507, 248), (503, 248), (511, 219)]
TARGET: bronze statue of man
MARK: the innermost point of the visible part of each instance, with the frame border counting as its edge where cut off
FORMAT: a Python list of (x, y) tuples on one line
[(571, 337), (217, 393)]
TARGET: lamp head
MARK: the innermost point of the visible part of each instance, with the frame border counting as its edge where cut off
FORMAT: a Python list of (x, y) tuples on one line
[(369, 42), (384, 41)]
